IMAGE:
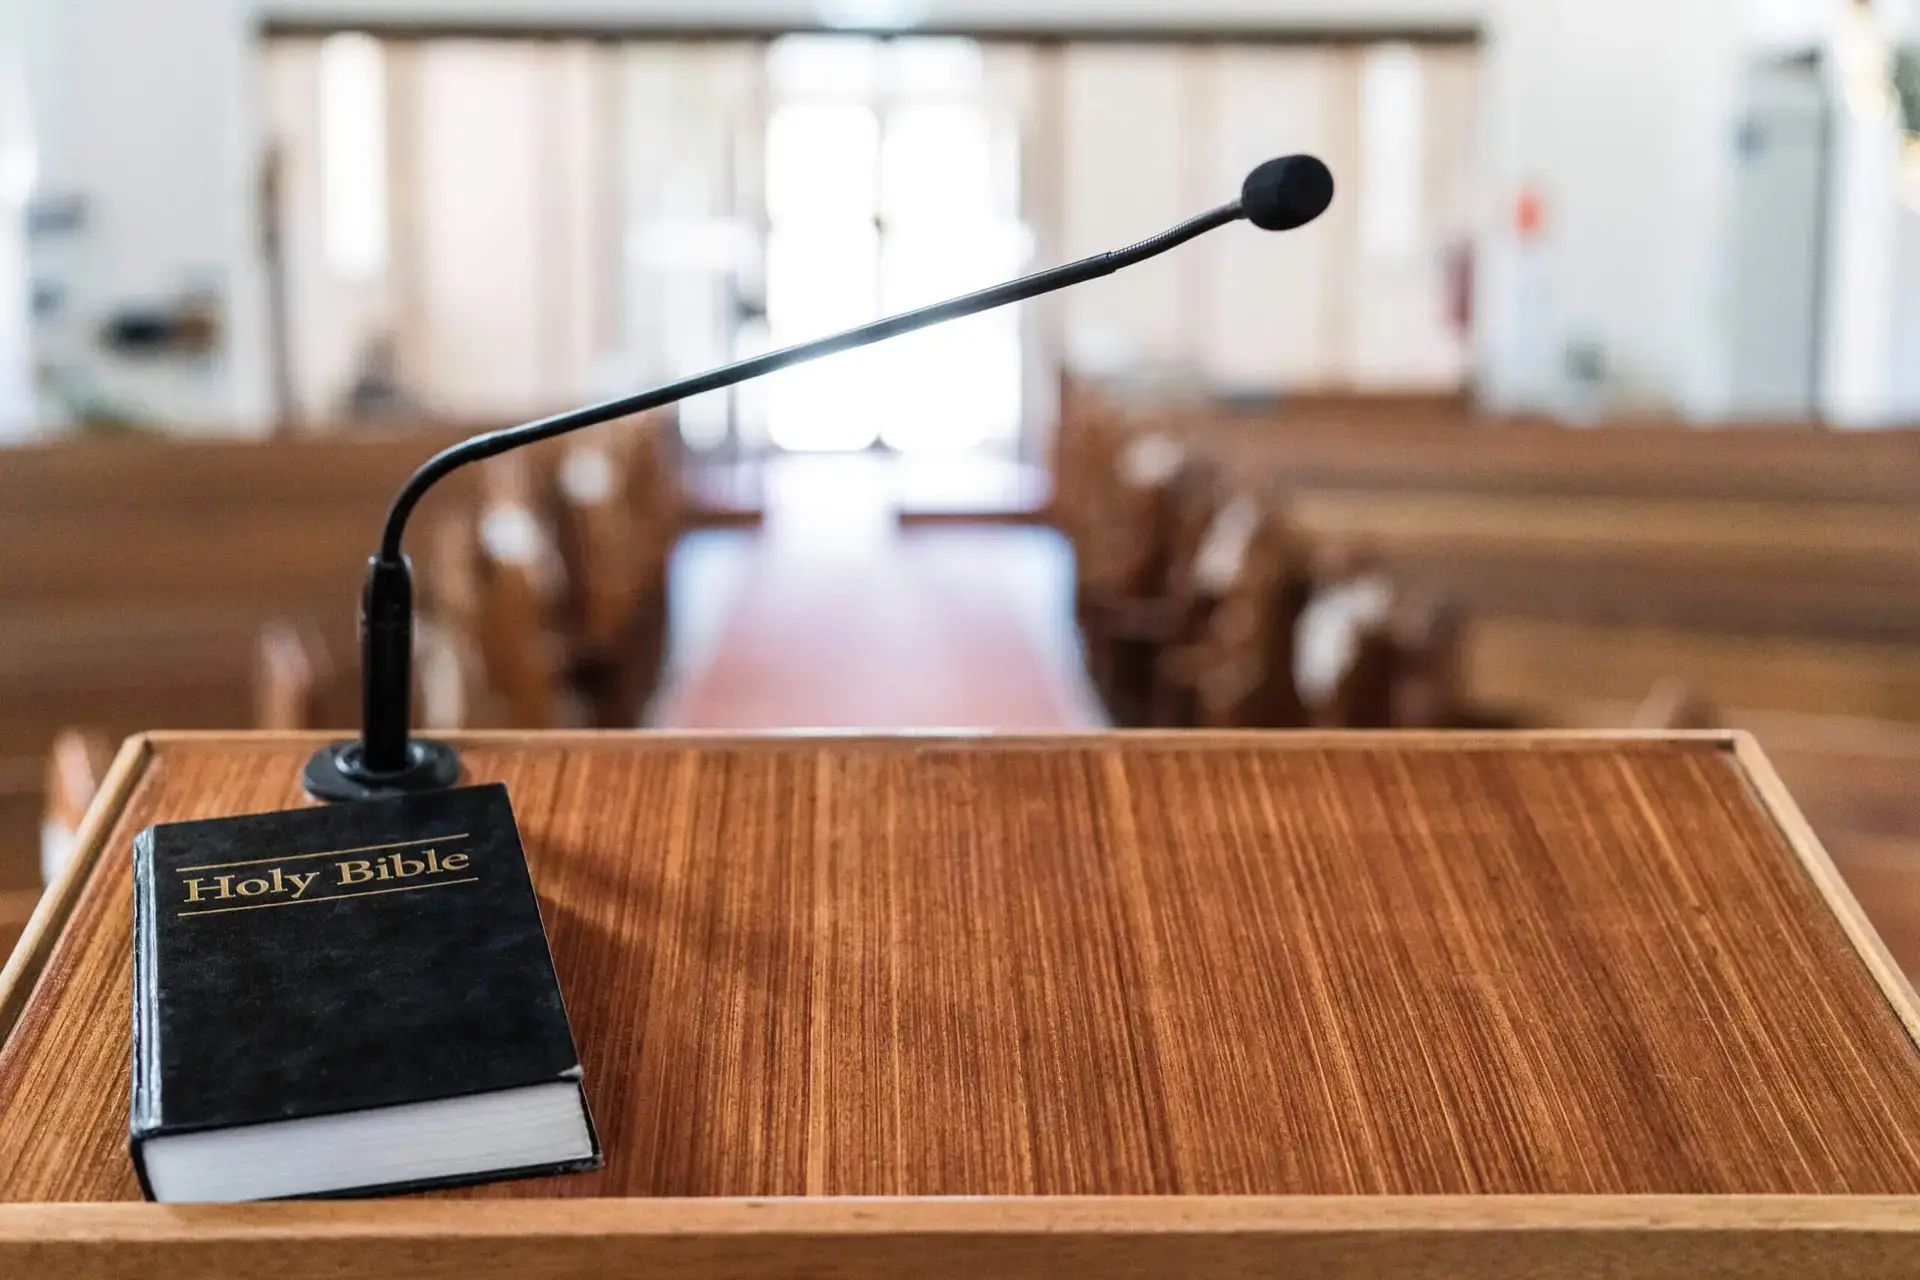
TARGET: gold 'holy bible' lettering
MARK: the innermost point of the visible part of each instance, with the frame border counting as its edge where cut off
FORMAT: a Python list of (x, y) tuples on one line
[(276, 882), (398, 866), (247, 886)]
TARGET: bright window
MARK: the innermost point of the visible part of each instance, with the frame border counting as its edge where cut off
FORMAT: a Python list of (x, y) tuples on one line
[(887, 181), (1392, 141), (353, 156)]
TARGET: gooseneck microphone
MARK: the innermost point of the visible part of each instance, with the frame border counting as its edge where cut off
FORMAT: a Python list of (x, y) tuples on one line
[(386, 761)]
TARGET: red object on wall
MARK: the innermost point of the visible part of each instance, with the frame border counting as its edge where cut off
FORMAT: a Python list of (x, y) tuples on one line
[(1528, 213)]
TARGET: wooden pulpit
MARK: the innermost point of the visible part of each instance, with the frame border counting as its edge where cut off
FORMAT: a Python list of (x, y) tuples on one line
[(1313, 1005)]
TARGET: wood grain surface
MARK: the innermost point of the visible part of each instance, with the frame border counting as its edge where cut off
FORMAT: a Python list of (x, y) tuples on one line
[(1120, 965)]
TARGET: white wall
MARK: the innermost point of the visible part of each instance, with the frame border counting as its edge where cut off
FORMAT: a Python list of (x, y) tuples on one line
[(953, 12), (1623, 117), (17, 418), (1863, 298), (1873, 331), (511, 192), (1620, 117), (330, 319), (680, 114), (1150, 134), (479, 198), (1266, 321), (147, 111), (1904, 349), (150, 111), (1618, 113), (1124, 130), (1904, 392)]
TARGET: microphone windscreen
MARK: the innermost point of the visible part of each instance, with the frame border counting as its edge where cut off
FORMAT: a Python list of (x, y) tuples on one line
[(1287, 193)]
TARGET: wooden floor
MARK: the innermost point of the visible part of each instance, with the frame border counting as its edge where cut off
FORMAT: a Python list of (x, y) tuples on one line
[(831, 616)]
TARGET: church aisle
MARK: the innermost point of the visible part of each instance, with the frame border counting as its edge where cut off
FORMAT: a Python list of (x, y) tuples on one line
[(831, 617)]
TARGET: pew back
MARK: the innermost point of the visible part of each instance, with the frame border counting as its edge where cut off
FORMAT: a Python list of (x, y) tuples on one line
[(136, 575)]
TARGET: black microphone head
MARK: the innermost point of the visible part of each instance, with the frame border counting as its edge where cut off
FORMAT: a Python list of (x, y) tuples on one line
[(1287, 193)]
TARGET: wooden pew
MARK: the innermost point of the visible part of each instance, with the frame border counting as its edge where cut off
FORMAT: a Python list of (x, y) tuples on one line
[(1884, 874), (1383, 448), (296, 682), (1731, 529), (74, 770), (1672, 704), (1150, 596), (1773, 569), (541, 606), (1237, 669), (16, 908), (114, 674), (616, 515), (172, 525), (1843, 569), (135, 575), (1543, 668), (518, 629), (143, 582)]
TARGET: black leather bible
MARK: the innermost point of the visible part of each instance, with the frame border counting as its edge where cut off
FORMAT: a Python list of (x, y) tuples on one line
[(347, 1000)]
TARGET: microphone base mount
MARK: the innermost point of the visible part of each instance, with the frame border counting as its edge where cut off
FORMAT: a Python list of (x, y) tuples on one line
[(337, 772)]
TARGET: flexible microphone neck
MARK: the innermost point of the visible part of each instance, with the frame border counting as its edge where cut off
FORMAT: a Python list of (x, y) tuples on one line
[(492, 443), (385, 760)]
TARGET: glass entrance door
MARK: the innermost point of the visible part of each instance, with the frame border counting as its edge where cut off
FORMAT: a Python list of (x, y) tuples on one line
[(891, 181)]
